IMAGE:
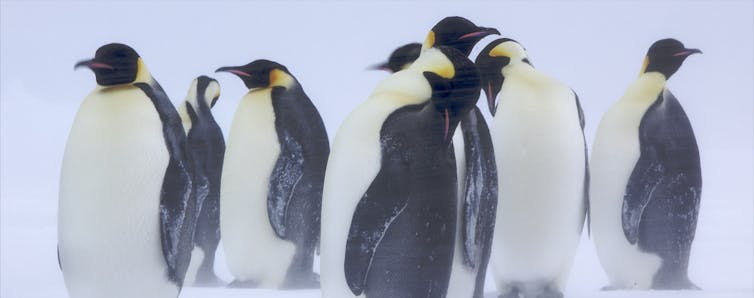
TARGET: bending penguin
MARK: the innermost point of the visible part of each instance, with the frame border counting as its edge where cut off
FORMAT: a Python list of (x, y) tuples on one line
[(648, 182), (272, 181), (206, 149), (401, 239), (400, 58), (477, 197), (126, 211), (538, 138), (360, 133)]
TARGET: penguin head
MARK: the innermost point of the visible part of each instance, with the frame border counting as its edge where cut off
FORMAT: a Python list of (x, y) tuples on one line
[(491, 61), (116, 64), (203, 90), (261, 74), (401, 58), (666, 56), (453, 94), (457, 32)]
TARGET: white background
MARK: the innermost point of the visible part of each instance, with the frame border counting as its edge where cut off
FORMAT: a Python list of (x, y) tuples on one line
[(595, 47)]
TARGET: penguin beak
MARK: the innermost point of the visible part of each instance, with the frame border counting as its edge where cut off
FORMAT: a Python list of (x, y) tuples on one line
[(446, 115), (688, 52), (91, 64), (490, 99), (382, 66), (233, 70), (481, 33)]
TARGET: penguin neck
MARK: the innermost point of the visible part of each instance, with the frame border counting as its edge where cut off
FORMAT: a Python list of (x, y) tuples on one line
[(440, 130), (185, 118), (524, 72), (646, 88), (407, 86)]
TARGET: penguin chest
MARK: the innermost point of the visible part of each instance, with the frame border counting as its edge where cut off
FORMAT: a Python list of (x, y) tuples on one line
[(539, 151), (615, 153), (111, 179), (253, 250)]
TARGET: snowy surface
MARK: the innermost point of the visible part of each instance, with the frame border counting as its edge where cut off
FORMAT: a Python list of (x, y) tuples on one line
[(595, 47)]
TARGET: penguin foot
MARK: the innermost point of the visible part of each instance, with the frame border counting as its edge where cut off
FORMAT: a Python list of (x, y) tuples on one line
[(510, 293), (208, 281), (609, 288), (308, 280), (684, 284), (550, 293), (249, 284)]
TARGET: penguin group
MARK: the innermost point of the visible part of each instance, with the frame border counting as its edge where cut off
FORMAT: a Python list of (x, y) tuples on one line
[(416, 196)]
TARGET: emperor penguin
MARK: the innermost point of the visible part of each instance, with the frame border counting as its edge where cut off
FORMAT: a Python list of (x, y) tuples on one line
[(540, 152), (206, 149), (126, 211), (648, 182), (401, 238), (274, 170), (477, 196)]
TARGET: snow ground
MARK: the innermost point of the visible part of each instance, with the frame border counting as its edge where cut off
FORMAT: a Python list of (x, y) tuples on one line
[(596, 47)]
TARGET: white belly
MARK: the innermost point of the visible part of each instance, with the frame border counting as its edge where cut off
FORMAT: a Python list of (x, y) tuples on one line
[(252, 249), (539, 151), (614, 155), (108, 220)]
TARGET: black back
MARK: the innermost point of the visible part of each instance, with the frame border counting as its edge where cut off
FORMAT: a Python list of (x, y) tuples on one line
[(661, 204), (402, 234), (177, 205), (295, 192)]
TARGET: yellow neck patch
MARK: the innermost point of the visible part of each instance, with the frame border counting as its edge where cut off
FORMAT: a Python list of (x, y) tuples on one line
[(142, 73), (280, 78), (500, 51), (430, 41), (644, 65)]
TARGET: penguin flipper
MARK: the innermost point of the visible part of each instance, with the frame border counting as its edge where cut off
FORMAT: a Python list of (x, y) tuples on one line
[(288, 171), (587, 175), (384, 201), (646, 176), (177, 204), (60, 265), (481, 190)]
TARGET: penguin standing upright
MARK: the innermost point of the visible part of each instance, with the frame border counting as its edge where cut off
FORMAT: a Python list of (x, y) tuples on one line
[(540, 152), (477, 194), (206, 149), (272, 181), (401, 239), (126, 211), (648, 182)]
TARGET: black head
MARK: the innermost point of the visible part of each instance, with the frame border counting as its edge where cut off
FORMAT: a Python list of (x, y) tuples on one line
[(401, 58), (490, 62), (454, 97), (113, 64), (666, 56), (259, 73), (457, 32)]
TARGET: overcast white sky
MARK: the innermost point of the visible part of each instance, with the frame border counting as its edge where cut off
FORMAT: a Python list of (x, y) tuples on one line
[(596, 47)]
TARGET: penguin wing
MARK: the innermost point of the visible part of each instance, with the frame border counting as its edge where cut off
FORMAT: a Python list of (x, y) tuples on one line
[(587, 178), (177, 204), (288, 171), (668, 165), (382, 203), (298, 176), (480, 193)]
